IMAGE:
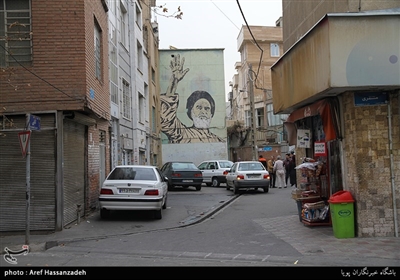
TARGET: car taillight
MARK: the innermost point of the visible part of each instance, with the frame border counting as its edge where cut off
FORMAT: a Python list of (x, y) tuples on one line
[(240, 177), (176, 175), (106, 191), (198, 175), (266, 176), (225, 173), (151, 192)]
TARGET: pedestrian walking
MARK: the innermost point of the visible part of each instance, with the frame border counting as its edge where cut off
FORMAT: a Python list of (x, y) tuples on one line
[(293, 179), (262, 160), (287, 163), (270, 167), (279, 170)]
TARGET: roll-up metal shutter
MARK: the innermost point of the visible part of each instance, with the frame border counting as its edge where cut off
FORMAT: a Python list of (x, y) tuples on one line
[(74, 170), (42, 169)]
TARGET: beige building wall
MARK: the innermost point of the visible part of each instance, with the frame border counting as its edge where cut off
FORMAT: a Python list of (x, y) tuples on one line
[(301, 16)]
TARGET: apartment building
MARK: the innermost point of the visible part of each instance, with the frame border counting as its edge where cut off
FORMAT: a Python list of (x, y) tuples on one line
[(339, 81), (253, 128), (55, 105)]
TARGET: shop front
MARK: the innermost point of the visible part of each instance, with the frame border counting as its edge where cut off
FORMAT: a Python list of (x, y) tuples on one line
[(315, 132), (340, 86)]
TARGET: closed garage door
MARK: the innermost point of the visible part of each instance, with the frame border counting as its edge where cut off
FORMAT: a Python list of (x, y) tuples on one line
[(74, 169)]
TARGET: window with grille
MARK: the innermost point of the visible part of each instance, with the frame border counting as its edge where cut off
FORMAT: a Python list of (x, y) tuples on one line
[(15, 33), (126, 100)]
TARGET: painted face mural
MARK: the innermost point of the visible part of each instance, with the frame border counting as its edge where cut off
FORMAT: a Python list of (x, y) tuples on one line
[(200, 108), (201, 113)]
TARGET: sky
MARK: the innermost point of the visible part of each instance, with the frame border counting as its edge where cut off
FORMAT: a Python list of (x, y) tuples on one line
[(213, 24)]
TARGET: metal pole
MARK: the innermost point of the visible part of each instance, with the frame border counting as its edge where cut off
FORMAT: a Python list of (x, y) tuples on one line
[(28, 191), (252, 114)]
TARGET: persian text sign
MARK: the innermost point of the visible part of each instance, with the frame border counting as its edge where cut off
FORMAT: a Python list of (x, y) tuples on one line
[(319, 149)]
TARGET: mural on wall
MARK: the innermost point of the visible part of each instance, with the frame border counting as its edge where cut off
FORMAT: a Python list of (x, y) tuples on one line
[(200, 106)]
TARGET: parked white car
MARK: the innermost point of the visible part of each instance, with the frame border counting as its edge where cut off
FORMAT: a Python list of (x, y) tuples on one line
[(213, 171), (134, 187), (247, 175)]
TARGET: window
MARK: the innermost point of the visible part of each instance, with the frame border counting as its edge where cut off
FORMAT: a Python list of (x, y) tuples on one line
[(97, 49), (153, 119), (274, 120), (138, 16), (275, 50), (15, 33), (247, 121), (124, 24), (153, 75), (260, 117), (142, 107), (126, 100), (113, 66), (139, 54)]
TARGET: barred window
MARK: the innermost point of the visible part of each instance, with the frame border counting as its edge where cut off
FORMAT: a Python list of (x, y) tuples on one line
[(15, 33)]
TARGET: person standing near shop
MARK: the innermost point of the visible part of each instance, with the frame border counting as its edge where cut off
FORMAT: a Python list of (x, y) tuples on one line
[(270, 168), (292, 171), (286, 163), (263, 161), (279, 170)]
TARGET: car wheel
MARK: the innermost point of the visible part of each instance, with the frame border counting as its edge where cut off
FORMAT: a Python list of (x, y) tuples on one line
[(165, 204), (235, 190), (170, 187), (198, 187), (215, 182), (228, 188), (104, 213), (157, 214), (266, 189)]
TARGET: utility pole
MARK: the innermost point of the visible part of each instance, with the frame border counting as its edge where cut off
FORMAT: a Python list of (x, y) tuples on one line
[(252, 114)]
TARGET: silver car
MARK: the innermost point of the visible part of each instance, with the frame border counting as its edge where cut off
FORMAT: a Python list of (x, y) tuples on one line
[(213, 171), (247, 175), (134, 187)]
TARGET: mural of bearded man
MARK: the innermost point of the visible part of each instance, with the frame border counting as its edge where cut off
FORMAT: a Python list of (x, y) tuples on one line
[(200, 108)]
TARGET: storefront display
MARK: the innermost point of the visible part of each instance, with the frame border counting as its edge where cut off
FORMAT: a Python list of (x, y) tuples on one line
[(313, 193)]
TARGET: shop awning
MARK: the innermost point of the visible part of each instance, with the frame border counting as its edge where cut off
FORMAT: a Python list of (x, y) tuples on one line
[(328, 110)]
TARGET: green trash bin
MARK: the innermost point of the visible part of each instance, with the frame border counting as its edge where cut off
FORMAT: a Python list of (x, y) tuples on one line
[(341, 206)]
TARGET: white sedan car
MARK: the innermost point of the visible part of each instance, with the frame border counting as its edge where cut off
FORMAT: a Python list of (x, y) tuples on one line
[(134, 187), (247, 175)]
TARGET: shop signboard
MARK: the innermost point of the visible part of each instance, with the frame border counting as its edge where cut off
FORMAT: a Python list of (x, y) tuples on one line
[(370, 98), (320, 149), (303, 138)]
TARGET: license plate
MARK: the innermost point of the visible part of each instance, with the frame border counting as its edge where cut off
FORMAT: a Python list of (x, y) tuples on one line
[(128, 190), (187, 181), (253, 176)]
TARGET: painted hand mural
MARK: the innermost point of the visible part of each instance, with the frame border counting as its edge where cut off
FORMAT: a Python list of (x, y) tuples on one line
[(200, 108)]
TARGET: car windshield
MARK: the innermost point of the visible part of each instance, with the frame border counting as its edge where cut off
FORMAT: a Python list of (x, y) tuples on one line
[(132, 173), (250, 166), (226, 164), (184, 165)]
